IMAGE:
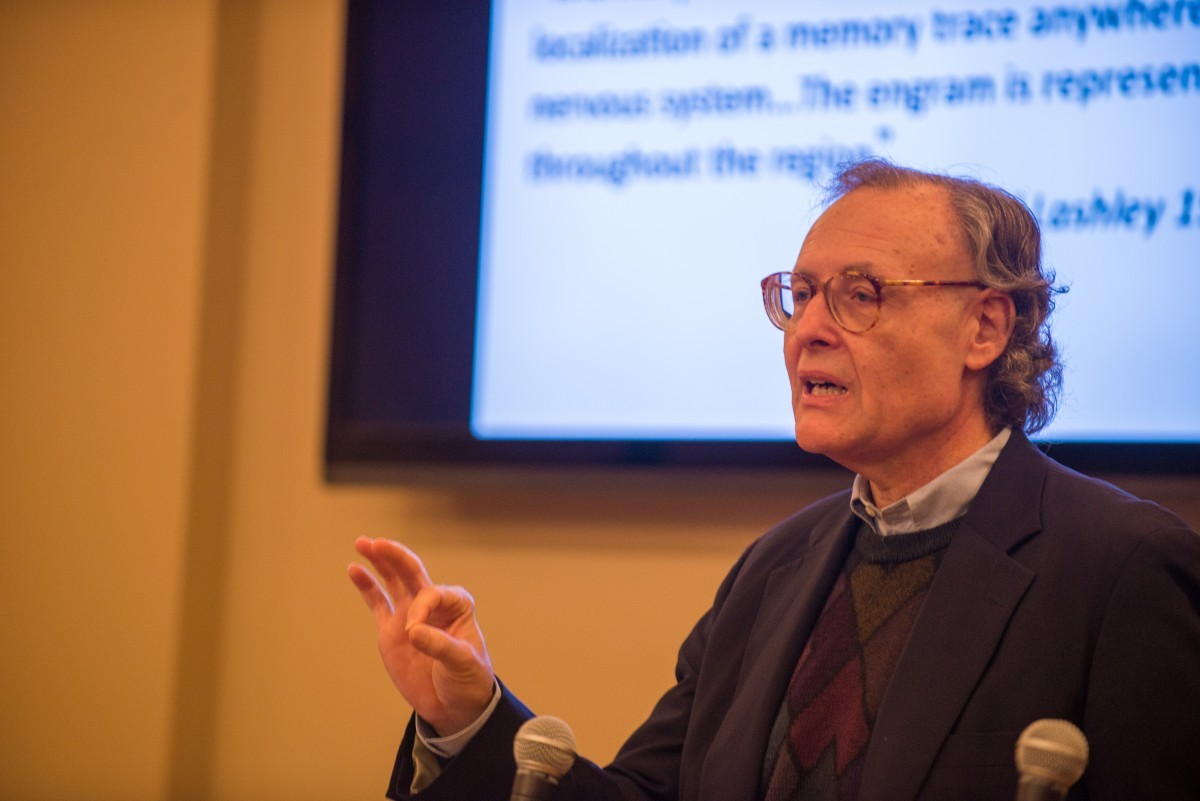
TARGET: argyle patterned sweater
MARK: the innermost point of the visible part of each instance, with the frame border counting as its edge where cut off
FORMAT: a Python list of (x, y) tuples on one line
[(819, 741)]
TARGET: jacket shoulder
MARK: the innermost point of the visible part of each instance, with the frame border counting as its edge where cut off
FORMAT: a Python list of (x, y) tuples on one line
[(1100, 506)]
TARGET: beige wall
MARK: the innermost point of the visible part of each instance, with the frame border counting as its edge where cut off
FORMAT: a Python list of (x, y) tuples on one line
[(175, 619), (103, 143)]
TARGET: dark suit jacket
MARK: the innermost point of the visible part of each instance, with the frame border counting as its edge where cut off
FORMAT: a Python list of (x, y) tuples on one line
[(1059, 596)]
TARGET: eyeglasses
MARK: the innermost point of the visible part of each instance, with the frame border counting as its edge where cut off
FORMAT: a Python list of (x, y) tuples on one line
[(854, 299)]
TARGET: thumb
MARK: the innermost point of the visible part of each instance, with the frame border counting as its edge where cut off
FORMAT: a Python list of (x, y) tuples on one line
[(456, 655), (419, 635)]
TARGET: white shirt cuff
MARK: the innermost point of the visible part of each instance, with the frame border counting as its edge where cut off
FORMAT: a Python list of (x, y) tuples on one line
[(452, 745)]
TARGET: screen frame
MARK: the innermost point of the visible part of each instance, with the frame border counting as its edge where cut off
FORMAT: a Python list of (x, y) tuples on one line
[(419, 82)]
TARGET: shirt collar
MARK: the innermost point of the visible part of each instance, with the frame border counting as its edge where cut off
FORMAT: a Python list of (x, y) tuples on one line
[(945, 498)]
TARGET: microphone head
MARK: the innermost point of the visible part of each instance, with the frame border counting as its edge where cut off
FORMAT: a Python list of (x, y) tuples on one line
[(546, 745), (1052, 750)]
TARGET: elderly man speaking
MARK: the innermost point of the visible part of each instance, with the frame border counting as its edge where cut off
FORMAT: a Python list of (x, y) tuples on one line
[(892, 641)]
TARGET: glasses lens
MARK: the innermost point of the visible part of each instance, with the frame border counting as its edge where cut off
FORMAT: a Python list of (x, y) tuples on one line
[(778, 299), (789, 296), (855, 300), (786, 305)]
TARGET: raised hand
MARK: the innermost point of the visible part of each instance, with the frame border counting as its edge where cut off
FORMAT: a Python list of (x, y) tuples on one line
[(430, 643)]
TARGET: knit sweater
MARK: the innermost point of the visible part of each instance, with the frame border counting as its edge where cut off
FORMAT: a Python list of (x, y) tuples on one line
[(819, 741)]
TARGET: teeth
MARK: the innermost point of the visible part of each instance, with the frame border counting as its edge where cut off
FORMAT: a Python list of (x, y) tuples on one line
[(825, 389)]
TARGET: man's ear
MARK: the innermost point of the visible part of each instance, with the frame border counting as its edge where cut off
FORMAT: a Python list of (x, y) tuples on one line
[(995, 316)]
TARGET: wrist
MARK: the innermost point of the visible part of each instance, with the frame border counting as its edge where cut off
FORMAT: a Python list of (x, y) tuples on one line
[(449, 738)]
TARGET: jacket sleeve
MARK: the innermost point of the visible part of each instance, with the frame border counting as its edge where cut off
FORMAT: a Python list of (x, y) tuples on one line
[(483, 771), (1142, 714)]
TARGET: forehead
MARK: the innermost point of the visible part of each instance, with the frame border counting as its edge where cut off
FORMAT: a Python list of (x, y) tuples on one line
[(890, 231)]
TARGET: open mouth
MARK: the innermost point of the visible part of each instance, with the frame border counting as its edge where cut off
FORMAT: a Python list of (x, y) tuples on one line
[(820, 388)]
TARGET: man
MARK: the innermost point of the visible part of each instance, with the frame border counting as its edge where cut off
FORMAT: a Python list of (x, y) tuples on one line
[(892, 641)]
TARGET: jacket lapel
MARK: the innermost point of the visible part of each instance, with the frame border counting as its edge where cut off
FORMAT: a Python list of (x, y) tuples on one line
[(794, 596), (974, 594)]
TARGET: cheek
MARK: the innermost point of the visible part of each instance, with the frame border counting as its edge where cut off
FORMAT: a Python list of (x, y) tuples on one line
[(884, 363), (791, 347), (791, 354), (918, 380), (893, 378)]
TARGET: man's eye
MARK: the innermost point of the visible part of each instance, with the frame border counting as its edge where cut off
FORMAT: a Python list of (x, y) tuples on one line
[(859, 291)]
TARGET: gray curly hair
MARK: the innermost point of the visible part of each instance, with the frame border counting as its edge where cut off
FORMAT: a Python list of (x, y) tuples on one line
[(1005, 243)]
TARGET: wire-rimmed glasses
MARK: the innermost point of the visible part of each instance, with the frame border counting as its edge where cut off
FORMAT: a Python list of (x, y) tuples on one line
[(854, 298)]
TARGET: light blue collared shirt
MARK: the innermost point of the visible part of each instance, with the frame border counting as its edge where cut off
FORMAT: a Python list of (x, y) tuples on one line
[(945, 498)]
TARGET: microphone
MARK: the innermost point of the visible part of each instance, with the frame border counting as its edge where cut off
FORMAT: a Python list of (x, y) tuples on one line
[(545, 750), (1051, 755)]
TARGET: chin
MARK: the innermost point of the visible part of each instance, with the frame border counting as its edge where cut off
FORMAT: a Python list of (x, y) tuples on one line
[(829, 441), (814, 441)]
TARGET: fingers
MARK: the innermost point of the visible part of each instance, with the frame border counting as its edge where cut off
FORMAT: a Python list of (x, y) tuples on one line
[(402, 572), (441, 624), (403, 581), (440, 606), (372, 594), (455, 654)]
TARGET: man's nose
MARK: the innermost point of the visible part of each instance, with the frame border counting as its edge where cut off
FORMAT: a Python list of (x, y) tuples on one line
[(816, 325)]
